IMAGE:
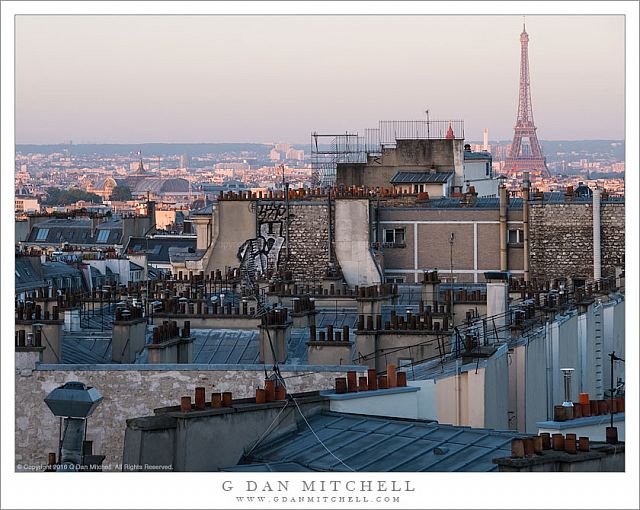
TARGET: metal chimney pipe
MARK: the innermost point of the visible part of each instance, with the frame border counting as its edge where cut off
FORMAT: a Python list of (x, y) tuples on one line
[(503, 227), (567, 372), (597, 254)]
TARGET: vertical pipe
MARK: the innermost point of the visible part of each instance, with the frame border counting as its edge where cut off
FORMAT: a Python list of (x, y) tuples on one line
[(503, 227), (525, 224), (597, 267), (330, 225)]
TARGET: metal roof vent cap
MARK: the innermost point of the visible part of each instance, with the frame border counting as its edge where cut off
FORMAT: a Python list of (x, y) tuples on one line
[(567, 372), (73, 399)]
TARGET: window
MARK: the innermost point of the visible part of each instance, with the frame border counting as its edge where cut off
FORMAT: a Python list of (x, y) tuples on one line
[(42, 234), (516, 236), (103, 235), (394, 236), (394, 279)]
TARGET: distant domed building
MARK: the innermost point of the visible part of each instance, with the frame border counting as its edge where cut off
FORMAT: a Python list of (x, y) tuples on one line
[(143, 183)]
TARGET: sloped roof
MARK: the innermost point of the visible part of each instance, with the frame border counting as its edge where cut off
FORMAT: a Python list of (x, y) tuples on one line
[(367, 443), (158, 248), (75, 231), (421, 178)]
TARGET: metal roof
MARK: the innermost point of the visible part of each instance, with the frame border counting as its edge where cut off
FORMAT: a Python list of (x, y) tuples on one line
[(366, 443), (269, 467), (28, 275), (421, 177), (469, 155), (86, 348), (158, 248), (225, 346), (76, 231)]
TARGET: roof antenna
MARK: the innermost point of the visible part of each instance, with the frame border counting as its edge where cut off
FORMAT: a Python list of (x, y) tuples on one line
[(523, 23)]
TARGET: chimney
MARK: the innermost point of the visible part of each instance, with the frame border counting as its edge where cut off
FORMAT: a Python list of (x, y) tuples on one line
[(497, 303), (331, 352), (275, 333), (169, 344), (128, 335), (430, 288)]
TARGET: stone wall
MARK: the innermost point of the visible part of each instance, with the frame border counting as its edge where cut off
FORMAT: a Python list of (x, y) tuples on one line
[(309, 239), (561, 239), (129, 392), (612, 237)]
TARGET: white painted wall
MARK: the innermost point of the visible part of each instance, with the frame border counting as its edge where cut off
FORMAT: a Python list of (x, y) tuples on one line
[(399, 405), (352, 242), (596, 432), (427, 408)]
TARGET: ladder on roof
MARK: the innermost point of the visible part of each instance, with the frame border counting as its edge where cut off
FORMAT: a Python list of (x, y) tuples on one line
[(598, 351)]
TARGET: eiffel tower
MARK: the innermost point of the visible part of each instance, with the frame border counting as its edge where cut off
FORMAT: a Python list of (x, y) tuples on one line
[(525, 153)]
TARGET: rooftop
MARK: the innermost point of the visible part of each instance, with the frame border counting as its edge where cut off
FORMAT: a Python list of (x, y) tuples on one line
[(422, 177), (367, 443)]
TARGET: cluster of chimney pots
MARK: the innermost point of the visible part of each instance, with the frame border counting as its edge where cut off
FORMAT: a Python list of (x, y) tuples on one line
[(585, 408), (301, 193), (372, 381), (168, 330), (272, 392), (423, 320), (536, 445)]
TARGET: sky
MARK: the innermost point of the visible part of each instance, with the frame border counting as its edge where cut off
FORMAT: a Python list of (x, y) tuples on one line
[(140, 79)]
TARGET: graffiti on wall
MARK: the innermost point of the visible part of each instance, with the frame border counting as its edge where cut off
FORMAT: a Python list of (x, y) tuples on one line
[(259, 255)]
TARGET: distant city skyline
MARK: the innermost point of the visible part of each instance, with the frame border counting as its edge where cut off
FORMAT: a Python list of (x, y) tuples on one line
[(144, 79)]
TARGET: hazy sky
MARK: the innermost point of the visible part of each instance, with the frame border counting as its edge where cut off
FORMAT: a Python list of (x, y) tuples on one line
[(134, 79)]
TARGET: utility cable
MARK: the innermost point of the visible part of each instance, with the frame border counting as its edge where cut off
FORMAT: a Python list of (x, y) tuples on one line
[(316, 436), (266, 432)]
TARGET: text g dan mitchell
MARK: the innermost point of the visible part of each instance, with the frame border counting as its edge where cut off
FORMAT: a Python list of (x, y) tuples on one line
[(320, 486)]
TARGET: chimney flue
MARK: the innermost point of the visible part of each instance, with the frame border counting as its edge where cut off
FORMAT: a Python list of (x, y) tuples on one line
[(567, 372)]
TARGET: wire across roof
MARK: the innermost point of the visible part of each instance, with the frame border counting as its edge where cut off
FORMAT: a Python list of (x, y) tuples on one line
[(366, 443)]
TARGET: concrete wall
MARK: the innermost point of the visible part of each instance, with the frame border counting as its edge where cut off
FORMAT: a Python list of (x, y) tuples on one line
[(233, 223), (391, 402), (130, 391), (496, 393), (413, 155), (329, 353), (51, 337), (193, 442), (427, 406), (352, 242)]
